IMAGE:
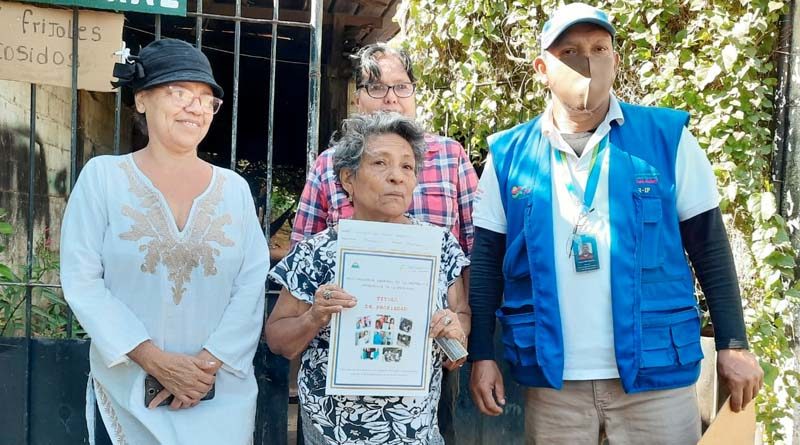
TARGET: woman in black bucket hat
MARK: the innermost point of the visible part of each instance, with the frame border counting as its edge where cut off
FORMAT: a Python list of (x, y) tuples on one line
[(165, 61), (164, 264)]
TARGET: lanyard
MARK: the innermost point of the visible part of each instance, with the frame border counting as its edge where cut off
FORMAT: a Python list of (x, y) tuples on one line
[(591, 182)]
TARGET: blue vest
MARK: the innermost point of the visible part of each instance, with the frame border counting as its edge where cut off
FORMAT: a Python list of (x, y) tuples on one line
[(654, 309)]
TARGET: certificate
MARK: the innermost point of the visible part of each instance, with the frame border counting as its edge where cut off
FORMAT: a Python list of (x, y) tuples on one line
[(381, 347)]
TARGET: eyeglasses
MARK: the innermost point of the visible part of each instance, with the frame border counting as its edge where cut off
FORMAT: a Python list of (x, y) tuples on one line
[(183, 98), (380, 90)]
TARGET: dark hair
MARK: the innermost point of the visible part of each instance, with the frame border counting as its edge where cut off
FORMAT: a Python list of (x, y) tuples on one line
[(366, 68)]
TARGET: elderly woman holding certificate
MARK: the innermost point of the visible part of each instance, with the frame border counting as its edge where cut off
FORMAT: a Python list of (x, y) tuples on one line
[(377, 160)]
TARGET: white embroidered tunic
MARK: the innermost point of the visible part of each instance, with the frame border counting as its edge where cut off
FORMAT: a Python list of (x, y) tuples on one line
[(130, 275)]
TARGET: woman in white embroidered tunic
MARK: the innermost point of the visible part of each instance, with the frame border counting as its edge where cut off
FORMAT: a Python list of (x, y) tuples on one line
[(164, 264), (377, 159)]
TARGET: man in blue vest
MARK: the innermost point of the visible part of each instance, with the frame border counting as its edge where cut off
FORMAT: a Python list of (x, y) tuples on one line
[(595, 206)]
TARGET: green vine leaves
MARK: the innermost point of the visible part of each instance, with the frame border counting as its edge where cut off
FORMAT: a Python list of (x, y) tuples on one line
[(715, 59)]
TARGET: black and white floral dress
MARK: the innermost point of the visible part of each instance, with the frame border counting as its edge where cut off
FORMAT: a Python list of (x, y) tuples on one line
[(360, 419)]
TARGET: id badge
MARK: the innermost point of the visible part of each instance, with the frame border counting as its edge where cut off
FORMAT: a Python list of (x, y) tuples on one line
[(584, 253)]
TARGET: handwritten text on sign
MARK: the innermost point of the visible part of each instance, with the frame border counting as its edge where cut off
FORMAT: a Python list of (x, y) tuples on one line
[(36, 46)]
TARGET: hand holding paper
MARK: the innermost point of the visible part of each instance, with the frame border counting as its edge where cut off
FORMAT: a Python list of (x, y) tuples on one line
[(330, 299), (448, 333), (740, 372), (444, 323)]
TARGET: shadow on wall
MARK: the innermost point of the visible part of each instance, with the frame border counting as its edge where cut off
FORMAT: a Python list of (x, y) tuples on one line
[(14, 175)]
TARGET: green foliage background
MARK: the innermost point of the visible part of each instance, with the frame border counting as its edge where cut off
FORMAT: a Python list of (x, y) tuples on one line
[(714, 59), (48, 309)]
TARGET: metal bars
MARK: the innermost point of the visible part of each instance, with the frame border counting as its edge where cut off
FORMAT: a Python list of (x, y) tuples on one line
[(315, 27), (270, 125), (76, 156), (199, 25), (73, 173), (237, 45), (199, 15), (29, 268), (117, 119), (315, 48), (313, 115)]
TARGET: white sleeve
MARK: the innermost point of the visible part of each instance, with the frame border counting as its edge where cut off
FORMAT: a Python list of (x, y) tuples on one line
[(695, 184), (487, 209), (235, 339), (113, 327)]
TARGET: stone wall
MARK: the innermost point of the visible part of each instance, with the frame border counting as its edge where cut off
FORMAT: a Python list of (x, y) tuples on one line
[(52, 154)]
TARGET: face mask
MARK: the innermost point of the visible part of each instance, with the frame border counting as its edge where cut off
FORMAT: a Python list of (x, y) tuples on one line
[(580, 83)]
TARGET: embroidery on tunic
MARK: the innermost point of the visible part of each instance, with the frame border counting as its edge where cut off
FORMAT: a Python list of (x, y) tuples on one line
[(116, 427), (179, 255)]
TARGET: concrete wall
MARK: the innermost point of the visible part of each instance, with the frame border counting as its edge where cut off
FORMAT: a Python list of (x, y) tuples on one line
[(52, 154)]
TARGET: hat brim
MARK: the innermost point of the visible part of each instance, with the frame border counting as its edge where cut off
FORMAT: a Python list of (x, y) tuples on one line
[(548, 42), (183, 76)]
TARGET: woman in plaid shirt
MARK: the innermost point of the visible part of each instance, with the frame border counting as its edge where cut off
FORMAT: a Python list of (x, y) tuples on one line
[(447, 182)]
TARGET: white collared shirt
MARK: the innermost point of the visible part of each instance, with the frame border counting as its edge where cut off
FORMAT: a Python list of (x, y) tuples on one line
[(585, 298)]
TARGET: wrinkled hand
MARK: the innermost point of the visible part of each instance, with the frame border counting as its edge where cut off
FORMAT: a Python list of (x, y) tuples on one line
[(214, 365), (444, 323), (187, 378), (209, 357), (486, 386), (337, 300), (454, 365), (740, 372)]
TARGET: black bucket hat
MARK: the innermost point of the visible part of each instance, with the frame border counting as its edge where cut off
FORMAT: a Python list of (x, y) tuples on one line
[(165, 61)]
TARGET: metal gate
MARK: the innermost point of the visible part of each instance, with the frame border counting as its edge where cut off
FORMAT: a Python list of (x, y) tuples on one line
[(48, 405)]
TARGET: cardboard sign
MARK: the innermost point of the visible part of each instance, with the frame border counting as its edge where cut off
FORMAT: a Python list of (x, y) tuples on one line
[(36, 46), (730, 428), (168, 7)]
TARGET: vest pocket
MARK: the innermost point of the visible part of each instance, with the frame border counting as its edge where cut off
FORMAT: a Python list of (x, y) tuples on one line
[(663, 293), (650, 214), (670, 339), (515, 263), (519, 336)]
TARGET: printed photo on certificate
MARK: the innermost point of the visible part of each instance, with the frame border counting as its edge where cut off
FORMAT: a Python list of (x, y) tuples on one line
[(381, 347)]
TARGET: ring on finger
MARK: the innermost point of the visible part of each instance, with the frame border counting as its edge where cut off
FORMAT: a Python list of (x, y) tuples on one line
[(326, 294), (447, 321)]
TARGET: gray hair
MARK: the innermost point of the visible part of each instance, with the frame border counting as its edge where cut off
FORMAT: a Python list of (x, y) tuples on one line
[(352, 140), (366, 68)]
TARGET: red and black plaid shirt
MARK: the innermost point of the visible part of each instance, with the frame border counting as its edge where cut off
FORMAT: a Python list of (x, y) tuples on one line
[(443, 196)]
